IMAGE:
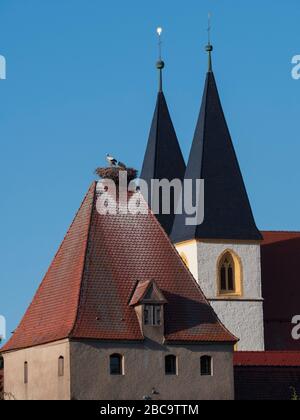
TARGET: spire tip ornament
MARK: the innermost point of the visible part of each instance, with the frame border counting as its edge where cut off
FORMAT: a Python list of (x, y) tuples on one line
[(160, 65), (209, 48)]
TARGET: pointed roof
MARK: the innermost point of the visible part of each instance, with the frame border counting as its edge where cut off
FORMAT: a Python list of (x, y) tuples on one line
[(228, 213), (163, 158), (87, 289)]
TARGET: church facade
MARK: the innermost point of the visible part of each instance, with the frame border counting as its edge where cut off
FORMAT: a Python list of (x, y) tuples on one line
[(239, 268), (222, 253)]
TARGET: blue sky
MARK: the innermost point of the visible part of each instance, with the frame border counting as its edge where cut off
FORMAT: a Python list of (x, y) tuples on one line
[(81, 82)]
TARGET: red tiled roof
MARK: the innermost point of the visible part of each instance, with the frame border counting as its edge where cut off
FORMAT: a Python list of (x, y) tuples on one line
[(86, 292), (268, 358), (270, 237), (53, 311), (280, 253)]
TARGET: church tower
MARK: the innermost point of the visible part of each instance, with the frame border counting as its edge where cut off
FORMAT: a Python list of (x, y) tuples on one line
[(163, 158), (223, 253)]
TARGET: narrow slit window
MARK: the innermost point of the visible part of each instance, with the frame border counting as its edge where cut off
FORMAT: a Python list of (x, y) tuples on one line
[(25, 373), (61, 366)]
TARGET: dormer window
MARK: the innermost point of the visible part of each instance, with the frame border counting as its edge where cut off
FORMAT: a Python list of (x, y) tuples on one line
[(148, 302), (152, 315)]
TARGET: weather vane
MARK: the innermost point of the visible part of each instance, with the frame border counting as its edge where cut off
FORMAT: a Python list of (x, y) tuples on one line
[(160, 64), (159, 33), (209, 28), (209, 47)]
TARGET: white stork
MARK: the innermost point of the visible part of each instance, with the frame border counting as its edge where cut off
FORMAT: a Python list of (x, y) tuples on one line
[(111, 160)]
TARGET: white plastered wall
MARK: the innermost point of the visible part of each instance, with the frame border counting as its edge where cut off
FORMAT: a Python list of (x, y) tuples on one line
[(43, 380), (242, 315)]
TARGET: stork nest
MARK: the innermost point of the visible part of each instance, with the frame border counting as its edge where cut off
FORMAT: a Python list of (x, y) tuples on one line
[(113, 173)]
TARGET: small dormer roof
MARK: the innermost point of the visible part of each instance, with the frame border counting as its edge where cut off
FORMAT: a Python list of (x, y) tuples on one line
[(147, 292)]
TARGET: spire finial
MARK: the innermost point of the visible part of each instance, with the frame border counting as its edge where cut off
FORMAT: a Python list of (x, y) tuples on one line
[(209, 47), (160, 64)]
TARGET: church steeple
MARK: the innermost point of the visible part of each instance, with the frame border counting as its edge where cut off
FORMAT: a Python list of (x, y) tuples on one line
[(160, 65), (222, 253), (163, 158), (228, 213)]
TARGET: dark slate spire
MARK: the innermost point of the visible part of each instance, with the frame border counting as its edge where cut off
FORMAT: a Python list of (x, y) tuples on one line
[(228, 213), (163, 158)]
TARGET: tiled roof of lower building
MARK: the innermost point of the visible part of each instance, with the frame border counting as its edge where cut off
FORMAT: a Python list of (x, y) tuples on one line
[(271, 237), (87, 289), (281, 288), (267, 358)]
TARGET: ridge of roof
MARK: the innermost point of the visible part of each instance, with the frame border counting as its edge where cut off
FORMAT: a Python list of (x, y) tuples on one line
[(85, 258)]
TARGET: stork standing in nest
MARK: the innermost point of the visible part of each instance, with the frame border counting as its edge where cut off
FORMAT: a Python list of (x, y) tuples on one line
[(114, 163), (111, 160)]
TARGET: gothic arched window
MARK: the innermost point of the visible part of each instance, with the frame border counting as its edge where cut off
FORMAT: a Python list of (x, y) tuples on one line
[(227, 274)]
